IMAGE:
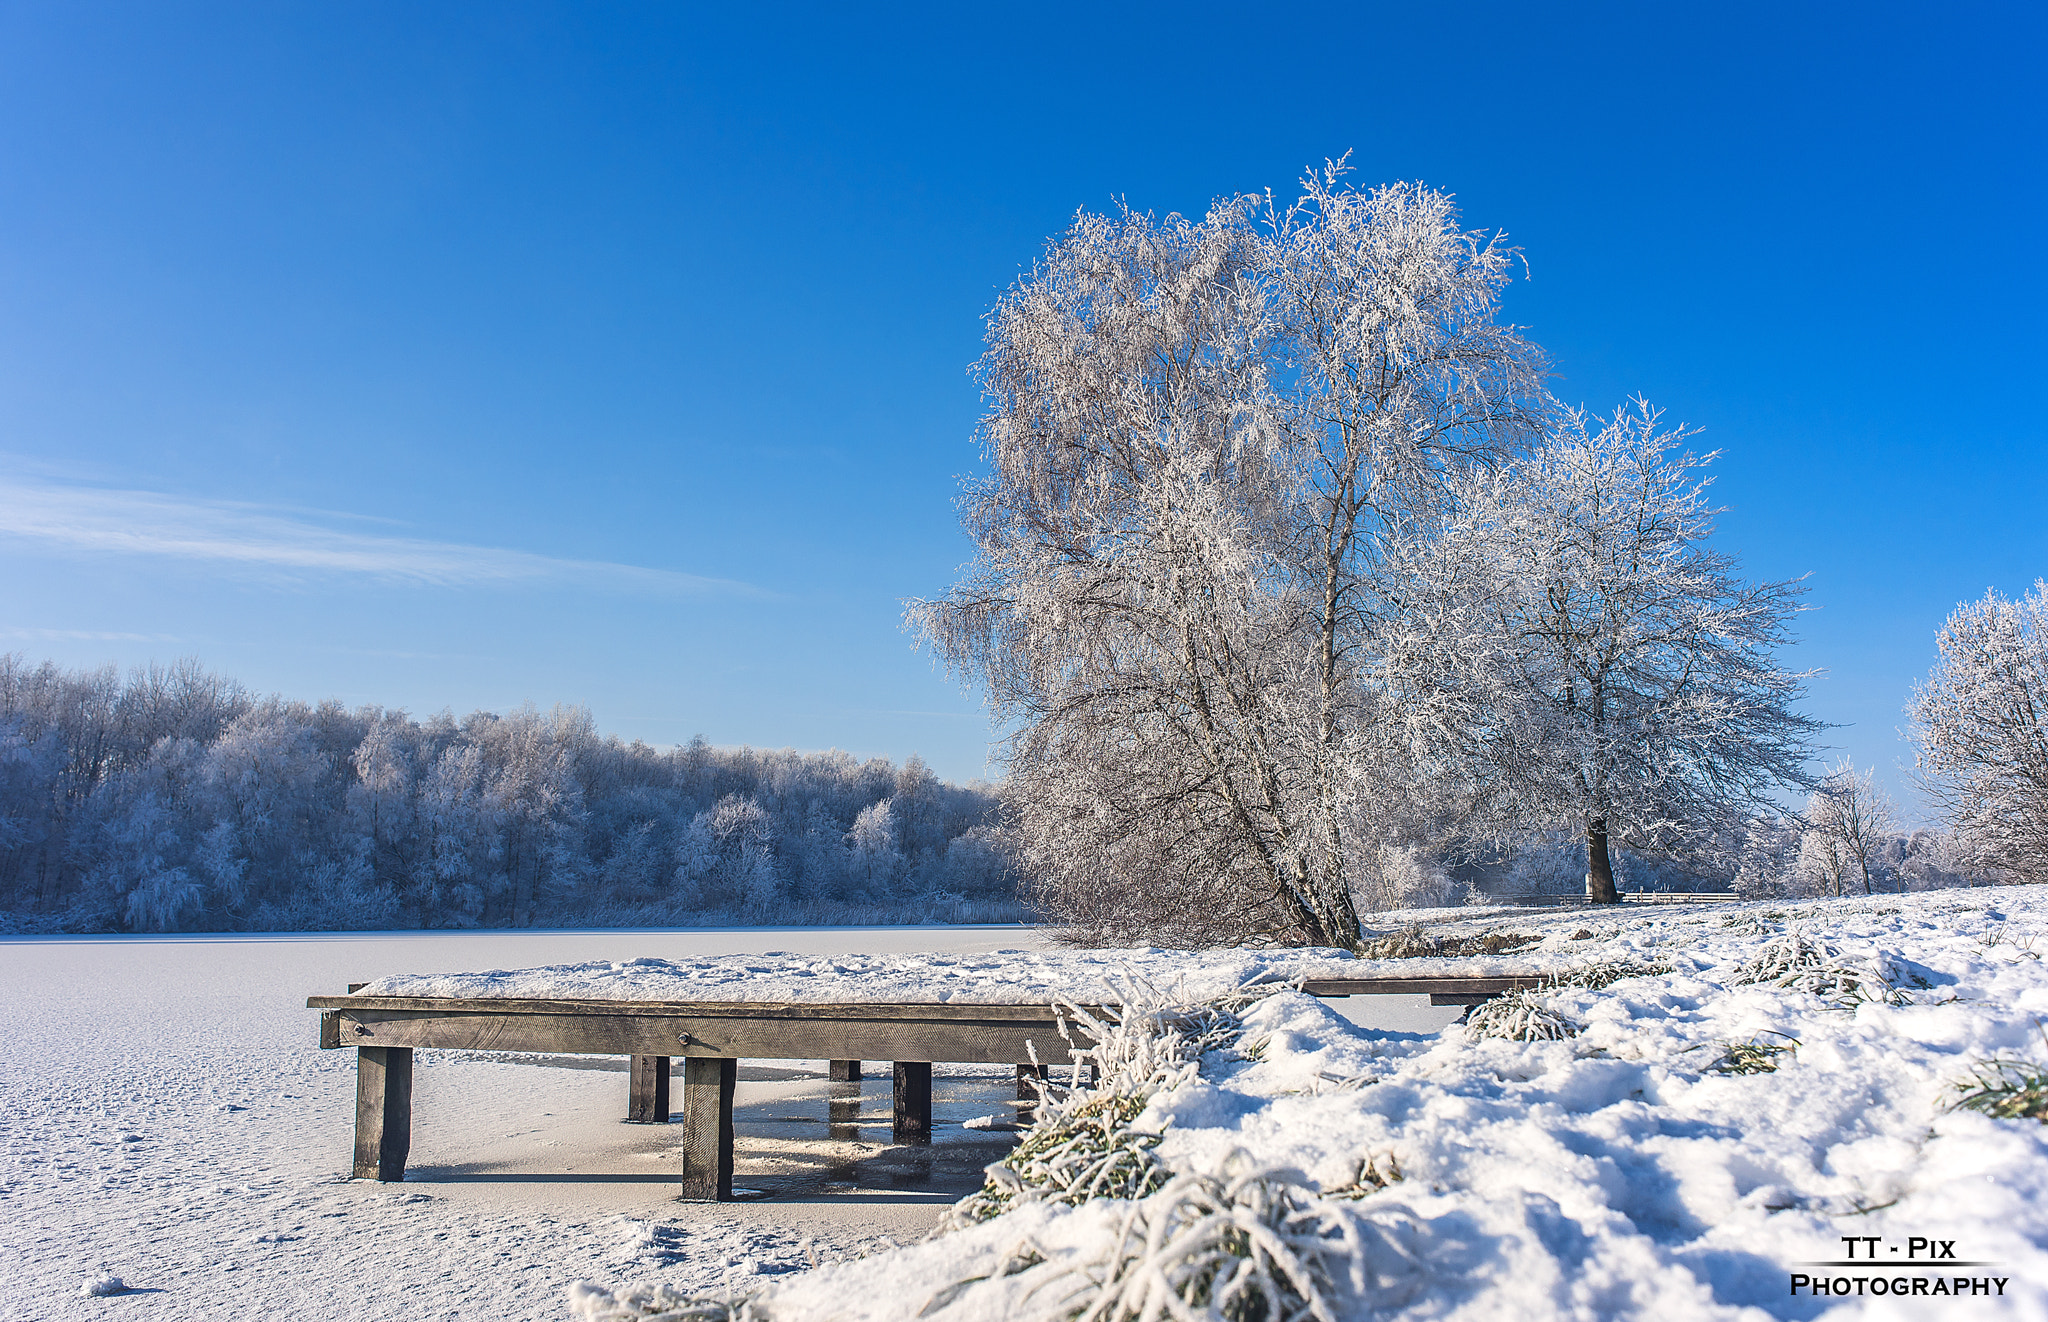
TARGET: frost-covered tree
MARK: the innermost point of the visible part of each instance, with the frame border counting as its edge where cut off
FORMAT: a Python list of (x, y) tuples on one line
[(1200, 435), (1575, 654), (1849, 821), (1981, 720)]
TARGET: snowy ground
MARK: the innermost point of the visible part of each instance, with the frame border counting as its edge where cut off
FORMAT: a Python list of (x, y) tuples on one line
[(167, 1118), (1614, 1173)]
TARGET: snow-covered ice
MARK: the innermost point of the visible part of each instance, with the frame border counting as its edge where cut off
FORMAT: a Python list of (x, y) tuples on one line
[(167, 1119)]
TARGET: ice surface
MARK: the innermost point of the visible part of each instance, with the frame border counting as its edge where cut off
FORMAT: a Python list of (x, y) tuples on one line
[(167, 1117)]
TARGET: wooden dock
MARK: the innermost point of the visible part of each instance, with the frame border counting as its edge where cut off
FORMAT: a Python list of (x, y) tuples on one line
[(712, 1037)]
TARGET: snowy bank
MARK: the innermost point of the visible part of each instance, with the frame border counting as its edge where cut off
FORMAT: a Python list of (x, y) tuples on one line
[(1774, 1108)]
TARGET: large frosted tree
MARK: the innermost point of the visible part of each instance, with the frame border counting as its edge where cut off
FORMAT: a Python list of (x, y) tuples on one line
[(1578, 656), (1982, 723), (1201, 436)]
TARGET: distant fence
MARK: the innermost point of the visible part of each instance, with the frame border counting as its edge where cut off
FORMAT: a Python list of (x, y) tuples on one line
[(1627, 897)]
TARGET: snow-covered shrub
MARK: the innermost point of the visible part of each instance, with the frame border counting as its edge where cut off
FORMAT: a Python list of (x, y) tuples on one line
[(1797, 963), (1413, 943), (1410, 942), (656, 1303), (1604, 973), (1519, 1016), (1254, 1246), (1090, 1149), (1085, 1145)]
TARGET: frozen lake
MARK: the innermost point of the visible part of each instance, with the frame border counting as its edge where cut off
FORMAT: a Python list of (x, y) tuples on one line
[(167, 1117)]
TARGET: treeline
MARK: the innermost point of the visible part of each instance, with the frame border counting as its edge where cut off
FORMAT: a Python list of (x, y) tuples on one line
[(173, 799), (1782, 857)]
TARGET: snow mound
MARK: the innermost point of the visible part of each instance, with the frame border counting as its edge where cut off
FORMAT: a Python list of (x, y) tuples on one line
[(1753, 1090)]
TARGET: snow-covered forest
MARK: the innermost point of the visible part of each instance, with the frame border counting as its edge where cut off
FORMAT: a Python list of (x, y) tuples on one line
[(172, 799), (175, 800)]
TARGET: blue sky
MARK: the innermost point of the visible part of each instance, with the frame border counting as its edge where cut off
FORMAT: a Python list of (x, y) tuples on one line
[(457, 356)]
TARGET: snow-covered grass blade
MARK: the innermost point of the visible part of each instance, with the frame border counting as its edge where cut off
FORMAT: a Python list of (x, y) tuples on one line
[(1090, 1149), (2005, 1090), (1375, 1172), (1754, 1056)]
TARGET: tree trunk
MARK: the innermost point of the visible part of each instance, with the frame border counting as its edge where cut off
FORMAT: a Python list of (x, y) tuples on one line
[(1599, 866)]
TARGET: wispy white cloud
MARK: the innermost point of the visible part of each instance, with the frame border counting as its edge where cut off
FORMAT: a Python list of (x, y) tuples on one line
[(87, 636), (279, 541)]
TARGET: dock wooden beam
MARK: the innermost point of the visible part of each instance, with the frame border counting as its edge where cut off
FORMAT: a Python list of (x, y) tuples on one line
[(970, 1034), (647, 1096), (707, 1129), (383, 1112), (914, 1102)]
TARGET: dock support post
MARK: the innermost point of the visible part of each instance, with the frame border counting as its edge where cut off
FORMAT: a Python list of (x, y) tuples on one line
[(383, 1112), (914, 1102), (843, 1071), (647, 1098), (707, 1128)]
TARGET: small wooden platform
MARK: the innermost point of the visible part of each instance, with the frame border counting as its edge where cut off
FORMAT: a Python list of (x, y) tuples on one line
[(712, 1037)]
